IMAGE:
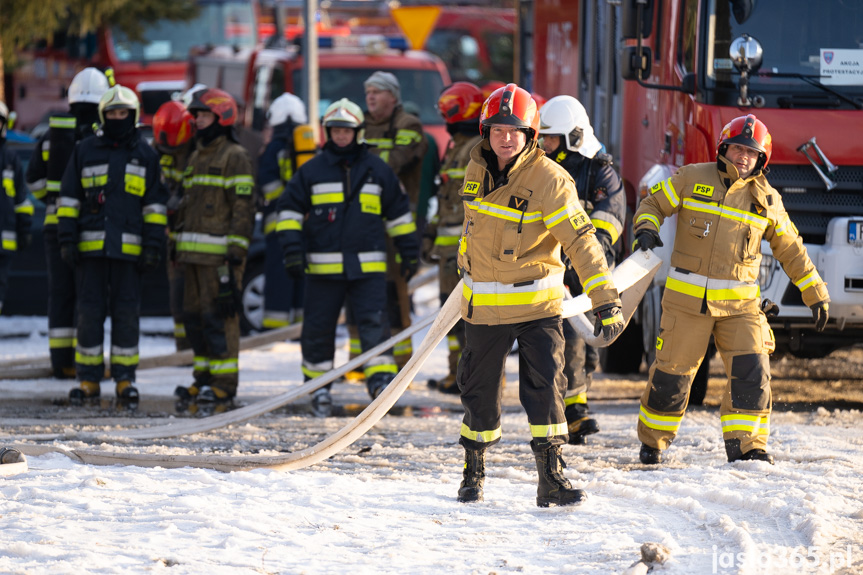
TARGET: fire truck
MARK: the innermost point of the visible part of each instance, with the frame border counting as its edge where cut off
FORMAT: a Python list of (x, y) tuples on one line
[(689, 67), (255, 77)]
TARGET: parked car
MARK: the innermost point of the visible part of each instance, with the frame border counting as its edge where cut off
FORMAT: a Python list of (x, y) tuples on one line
[(28, 274)]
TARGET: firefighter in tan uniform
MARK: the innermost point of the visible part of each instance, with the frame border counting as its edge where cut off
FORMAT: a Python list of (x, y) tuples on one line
[(520, 209), (460, 105), (724, 211), (397, 138), (173, 138), (214, 224)]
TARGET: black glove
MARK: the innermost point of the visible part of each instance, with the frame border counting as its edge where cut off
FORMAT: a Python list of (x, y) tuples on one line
[(226, 298), (69, 254), (646, 239), (409, 268), (820, 315), (294, 264), (769, 308), (236, 256), (609, 321), (149, 259)]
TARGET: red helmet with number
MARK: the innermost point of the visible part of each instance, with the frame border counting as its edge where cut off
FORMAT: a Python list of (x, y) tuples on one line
[(512, 106), (747, 131), (173, 125), (218, 102), (460, 102)]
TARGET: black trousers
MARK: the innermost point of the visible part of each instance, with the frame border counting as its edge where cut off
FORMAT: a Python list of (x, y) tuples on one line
[(108, 286), (481, 372), (61, 306), (368, 302)]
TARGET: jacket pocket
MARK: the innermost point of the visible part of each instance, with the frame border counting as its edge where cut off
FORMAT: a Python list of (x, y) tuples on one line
[(768, 341), (510, 242), (685, 262), (700, 227), (664, 340)]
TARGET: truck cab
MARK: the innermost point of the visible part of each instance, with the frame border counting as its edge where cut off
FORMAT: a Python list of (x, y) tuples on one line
[(256, 77), (694, 65)]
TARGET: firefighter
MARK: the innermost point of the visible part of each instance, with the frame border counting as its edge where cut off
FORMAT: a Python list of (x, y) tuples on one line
[(568, 139), (173, 133), (291, 145), (397, 138), (44, 174), (16, 209), (334, 218), (111, 227), (460, 105), (724, 210), (214, 224), (520, 208)]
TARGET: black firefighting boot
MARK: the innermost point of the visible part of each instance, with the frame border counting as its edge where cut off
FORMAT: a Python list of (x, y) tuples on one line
[(87, 390), (378, 382), (448, 385), (553, 488), (127, 394), (650, 455), (10, 455), (473, 476), (322, 402), (732, 450), (579, 423)]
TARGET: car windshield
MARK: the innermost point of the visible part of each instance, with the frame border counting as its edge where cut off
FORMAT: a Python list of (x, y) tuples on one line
[(217, 23), (420, 89), (820, 40)]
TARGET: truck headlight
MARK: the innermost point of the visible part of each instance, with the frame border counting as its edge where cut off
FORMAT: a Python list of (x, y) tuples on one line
[(765, 273)]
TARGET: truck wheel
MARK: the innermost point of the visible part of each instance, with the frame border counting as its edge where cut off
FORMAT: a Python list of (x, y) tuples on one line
[(625, 354), (252, 311)]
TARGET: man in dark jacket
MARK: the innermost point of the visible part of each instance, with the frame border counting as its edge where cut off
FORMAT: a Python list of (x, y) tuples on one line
[(111, 226), (341, 206)]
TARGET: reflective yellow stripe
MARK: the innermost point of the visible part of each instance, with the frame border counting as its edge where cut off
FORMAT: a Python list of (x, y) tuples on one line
[(124, 359), (808, 281), (684, 288), (549, 430), (503, 212), (480, 436), (726, 212), (91, 246), (659, 422), (223, 366), (88, 359), (596, 281), (668, 190), (606, 227), (580, 398), (650, 218), (754, 424)]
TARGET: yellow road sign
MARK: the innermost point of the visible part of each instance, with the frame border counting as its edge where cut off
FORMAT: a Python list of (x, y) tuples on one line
[(416, 23)]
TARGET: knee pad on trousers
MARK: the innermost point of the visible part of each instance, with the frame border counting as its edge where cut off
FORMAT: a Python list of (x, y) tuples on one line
[(750, 382), (668, 393)]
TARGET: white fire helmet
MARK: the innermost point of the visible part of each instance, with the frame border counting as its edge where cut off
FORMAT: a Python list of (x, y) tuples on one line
[(88, 86), (287, 107), (565, 116)]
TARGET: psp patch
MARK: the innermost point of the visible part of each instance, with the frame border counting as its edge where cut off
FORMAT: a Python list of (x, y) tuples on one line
[(517, 203), (471, 188), (703, 190), (579, 220)]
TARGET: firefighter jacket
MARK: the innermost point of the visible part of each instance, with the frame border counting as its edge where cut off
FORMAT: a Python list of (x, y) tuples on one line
[(174, 164), (217, 210), (446, 225), (721, 220), (50, 158), (600, 192), (16, 210), (275, 168), (112, 201), (342, 211), (399, 141), (513, 231)]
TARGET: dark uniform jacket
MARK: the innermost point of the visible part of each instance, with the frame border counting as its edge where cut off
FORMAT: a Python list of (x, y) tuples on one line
[(601, 194), (399, 141), (343, 213), (16, 210), (217, 210), (275, 167), (112, 200), (721, 221)]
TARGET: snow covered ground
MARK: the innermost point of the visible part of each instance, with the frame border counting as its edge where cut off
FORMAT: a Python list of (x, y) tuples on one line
[(387, 503)]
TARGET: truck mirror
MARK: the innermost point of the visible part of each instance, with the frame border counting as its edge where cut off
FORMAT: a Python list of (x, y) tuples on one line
[(631, 63), (629, 19), (687, 83)]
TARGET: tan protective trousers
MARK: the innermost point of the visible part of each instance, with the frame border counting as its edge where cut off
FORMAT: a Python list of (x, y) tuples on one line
[(744, 343)]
